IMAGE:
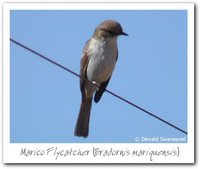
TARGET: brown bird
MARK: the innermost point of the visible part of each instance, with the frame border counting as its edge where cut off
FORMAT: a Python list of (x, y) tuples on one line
[(97, 64)]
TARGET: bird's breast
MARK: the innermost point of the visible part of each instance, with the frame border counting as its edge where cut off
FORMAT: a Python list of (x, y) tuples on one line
[(102, 60)]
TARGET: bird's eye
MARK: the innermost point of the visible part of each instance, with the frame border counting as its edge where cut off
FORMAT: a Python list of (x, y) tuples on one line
[(110, 32)]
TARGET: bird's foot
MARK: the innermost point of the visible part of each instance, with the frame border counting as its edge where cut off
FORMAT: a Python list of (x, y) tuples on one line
[(97, 85)]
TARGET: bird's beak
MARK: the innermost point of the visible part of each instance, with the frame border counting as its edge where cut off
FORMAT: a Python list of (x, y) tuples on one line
[(123, 33)]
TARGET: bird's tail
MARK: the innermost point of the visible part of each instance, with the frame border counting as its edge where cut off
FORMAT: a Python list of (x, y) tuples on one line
[(82, 125)]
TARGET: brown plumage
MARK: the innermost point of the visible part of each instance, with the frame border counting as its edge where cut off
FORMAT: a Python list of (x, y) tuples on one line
[(97, 64)]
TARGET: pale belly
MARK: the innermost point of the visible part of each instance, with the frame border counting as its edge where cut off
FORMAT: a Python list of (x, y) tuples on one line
[(101, 64)]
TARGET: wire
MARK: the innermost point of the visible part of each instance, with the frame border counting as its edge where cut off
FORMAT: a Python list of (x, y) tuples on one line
[(108, 91)]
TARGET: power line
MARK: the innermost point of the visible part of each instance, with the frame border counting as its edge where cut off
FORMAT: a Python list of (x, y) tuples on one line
[(108, 91)]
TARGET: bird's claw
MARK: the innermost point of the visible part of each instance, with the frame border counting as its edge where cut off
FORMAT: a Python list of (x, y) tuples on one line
[(97, 85)]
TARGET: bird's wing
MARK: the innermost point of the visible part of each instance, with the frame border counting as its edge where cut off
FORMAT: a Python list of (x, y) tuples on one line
[(83, 67), (101, 90)]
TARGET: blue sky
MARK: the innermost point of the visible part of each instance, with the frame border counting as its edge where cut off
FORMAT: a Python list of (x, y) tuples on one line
[(151, 72)]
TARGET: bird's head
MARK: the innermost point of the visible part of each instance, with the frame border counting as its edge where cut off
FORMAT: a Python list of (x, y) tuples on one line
[(109, 28)]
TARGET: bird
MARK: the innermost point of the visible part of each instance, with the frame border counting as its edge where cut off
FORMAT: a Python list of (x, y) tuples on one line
[(97, 64)]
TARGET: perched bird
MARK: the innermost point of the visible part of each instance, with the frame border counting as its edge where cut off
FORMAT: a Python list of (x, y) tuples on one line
[(97, 64)]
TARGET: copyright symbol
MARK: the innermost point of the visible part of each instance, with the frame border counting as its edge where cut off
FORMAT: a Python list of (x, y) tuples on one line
[(137, 139)]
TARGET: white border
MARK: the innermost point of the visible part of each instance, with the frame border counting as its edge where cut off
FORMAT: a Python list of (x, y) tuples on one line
[(11, 152)]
